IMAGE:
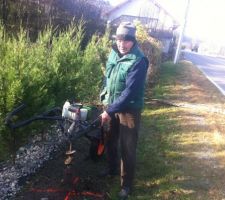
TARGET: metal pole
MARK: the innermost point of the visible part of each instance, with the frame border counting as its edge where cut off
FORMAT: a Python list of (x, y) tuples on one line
[(181, 34)]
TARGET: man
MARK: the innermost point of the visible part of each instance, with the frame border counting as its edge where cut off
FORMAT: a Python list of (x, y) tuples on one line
[(126, 71)]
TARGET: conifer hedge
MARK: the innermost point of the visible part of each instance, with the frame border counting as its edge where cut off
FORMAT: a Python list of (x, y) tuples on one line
[(44, 73)]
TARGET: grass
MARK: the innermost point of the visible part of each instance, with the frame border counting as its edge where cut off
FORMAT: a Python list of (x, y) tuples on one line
[(156, 150), (167, 80), (157, 153), (180, 147)]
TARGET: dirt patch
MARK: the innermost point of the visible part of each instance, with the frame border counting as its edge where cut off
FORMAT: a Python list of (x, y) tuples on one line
[(56, 181)]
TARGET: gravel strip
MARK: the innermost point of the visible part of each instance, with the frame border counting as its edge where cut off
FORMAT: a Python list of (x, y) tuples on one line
[(29, 159)]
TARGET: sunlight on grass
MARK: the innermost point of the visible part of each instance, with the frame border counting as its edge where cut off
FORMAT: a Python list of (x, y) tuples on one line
[(190, 138), (220, 154), (173, 154), (218, 138), (164, 111), (200, 138), (175, 194)]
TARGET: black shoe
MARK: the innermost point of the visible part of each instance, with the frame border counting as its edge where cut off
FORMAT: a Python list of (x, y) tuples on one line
[(124, 193), (108, 172)]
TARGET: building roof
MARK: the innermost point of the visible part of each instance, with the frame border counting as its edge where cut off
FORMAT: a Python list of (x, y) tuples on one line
[(128, 1)]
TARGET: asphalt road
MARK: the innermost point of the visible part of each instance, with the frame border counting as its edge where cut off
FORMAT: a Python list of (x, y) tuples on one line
[(212, 67)]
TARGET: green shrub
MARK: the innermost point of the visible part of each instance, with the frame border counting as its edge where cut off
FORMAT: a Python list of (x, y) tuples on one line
[(46, 73), (151, 48)]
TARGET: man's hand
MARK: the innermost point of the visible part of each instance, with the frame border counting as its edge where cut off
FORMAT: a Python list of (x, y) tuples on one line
[(105, 118)]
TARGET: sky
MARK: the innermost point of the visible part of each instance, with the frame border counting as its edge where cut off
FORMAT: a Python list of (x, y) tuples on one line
[(205, 19)]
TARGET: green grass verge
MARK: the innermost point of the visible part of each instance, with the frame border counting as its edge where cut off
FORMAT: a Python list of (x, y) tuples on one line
[(167, 79), (156, 173)]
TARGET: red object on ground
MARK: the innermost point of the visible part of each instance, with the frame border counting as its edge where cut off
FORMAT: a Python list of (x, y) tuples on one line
[(70, 193)]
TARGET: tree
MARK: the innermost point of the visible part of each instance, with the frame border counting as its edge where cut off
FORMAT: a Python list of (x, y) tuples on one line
[(34, 15)]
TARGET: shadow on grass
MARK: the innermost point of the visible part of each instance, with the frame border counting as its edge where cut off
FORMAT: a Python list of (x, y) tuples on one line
[(175, 157), (154, 170)]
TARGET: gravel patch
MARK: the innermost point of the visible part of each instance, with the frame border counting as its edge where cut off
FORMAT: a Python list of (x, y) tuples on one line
[(29, 159)]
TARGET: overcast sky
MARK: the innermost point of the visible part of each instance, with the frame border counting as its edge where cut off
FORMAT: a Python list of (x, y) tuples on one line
[(205, 18)]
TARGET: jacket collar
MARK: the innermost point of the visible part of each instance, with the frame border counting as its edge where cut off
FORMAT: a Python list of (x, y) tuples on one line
[(131, 55)]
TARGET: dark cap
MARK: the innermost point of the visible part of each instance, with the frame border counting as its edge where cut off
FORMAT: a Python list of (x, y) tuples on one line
[(126, 31)]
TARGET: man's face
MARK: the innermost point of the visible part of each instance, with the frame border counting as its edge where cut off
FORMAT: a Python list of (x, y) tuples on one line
[(124, 46)]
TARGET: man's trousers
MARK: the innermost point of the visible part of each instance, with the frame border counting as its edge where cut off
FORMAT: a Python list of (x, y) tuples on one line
[(121, 144)]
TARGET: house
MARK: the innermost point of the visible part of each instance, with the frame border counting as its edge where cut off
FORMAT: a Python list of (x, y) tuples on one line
[(159, 23)]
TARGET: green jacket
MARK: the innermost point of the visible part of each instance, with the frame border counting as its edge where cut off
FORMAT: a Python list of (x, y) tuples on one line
[(125, 80)]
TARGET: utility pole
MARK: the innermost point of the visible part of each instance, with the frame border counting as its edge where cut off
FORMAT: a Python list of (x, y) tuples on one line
[(181, 34)]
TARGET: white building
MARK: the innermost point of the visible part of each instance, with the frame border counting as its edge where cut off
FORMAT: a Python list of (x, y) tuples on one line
[(151, 14)]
